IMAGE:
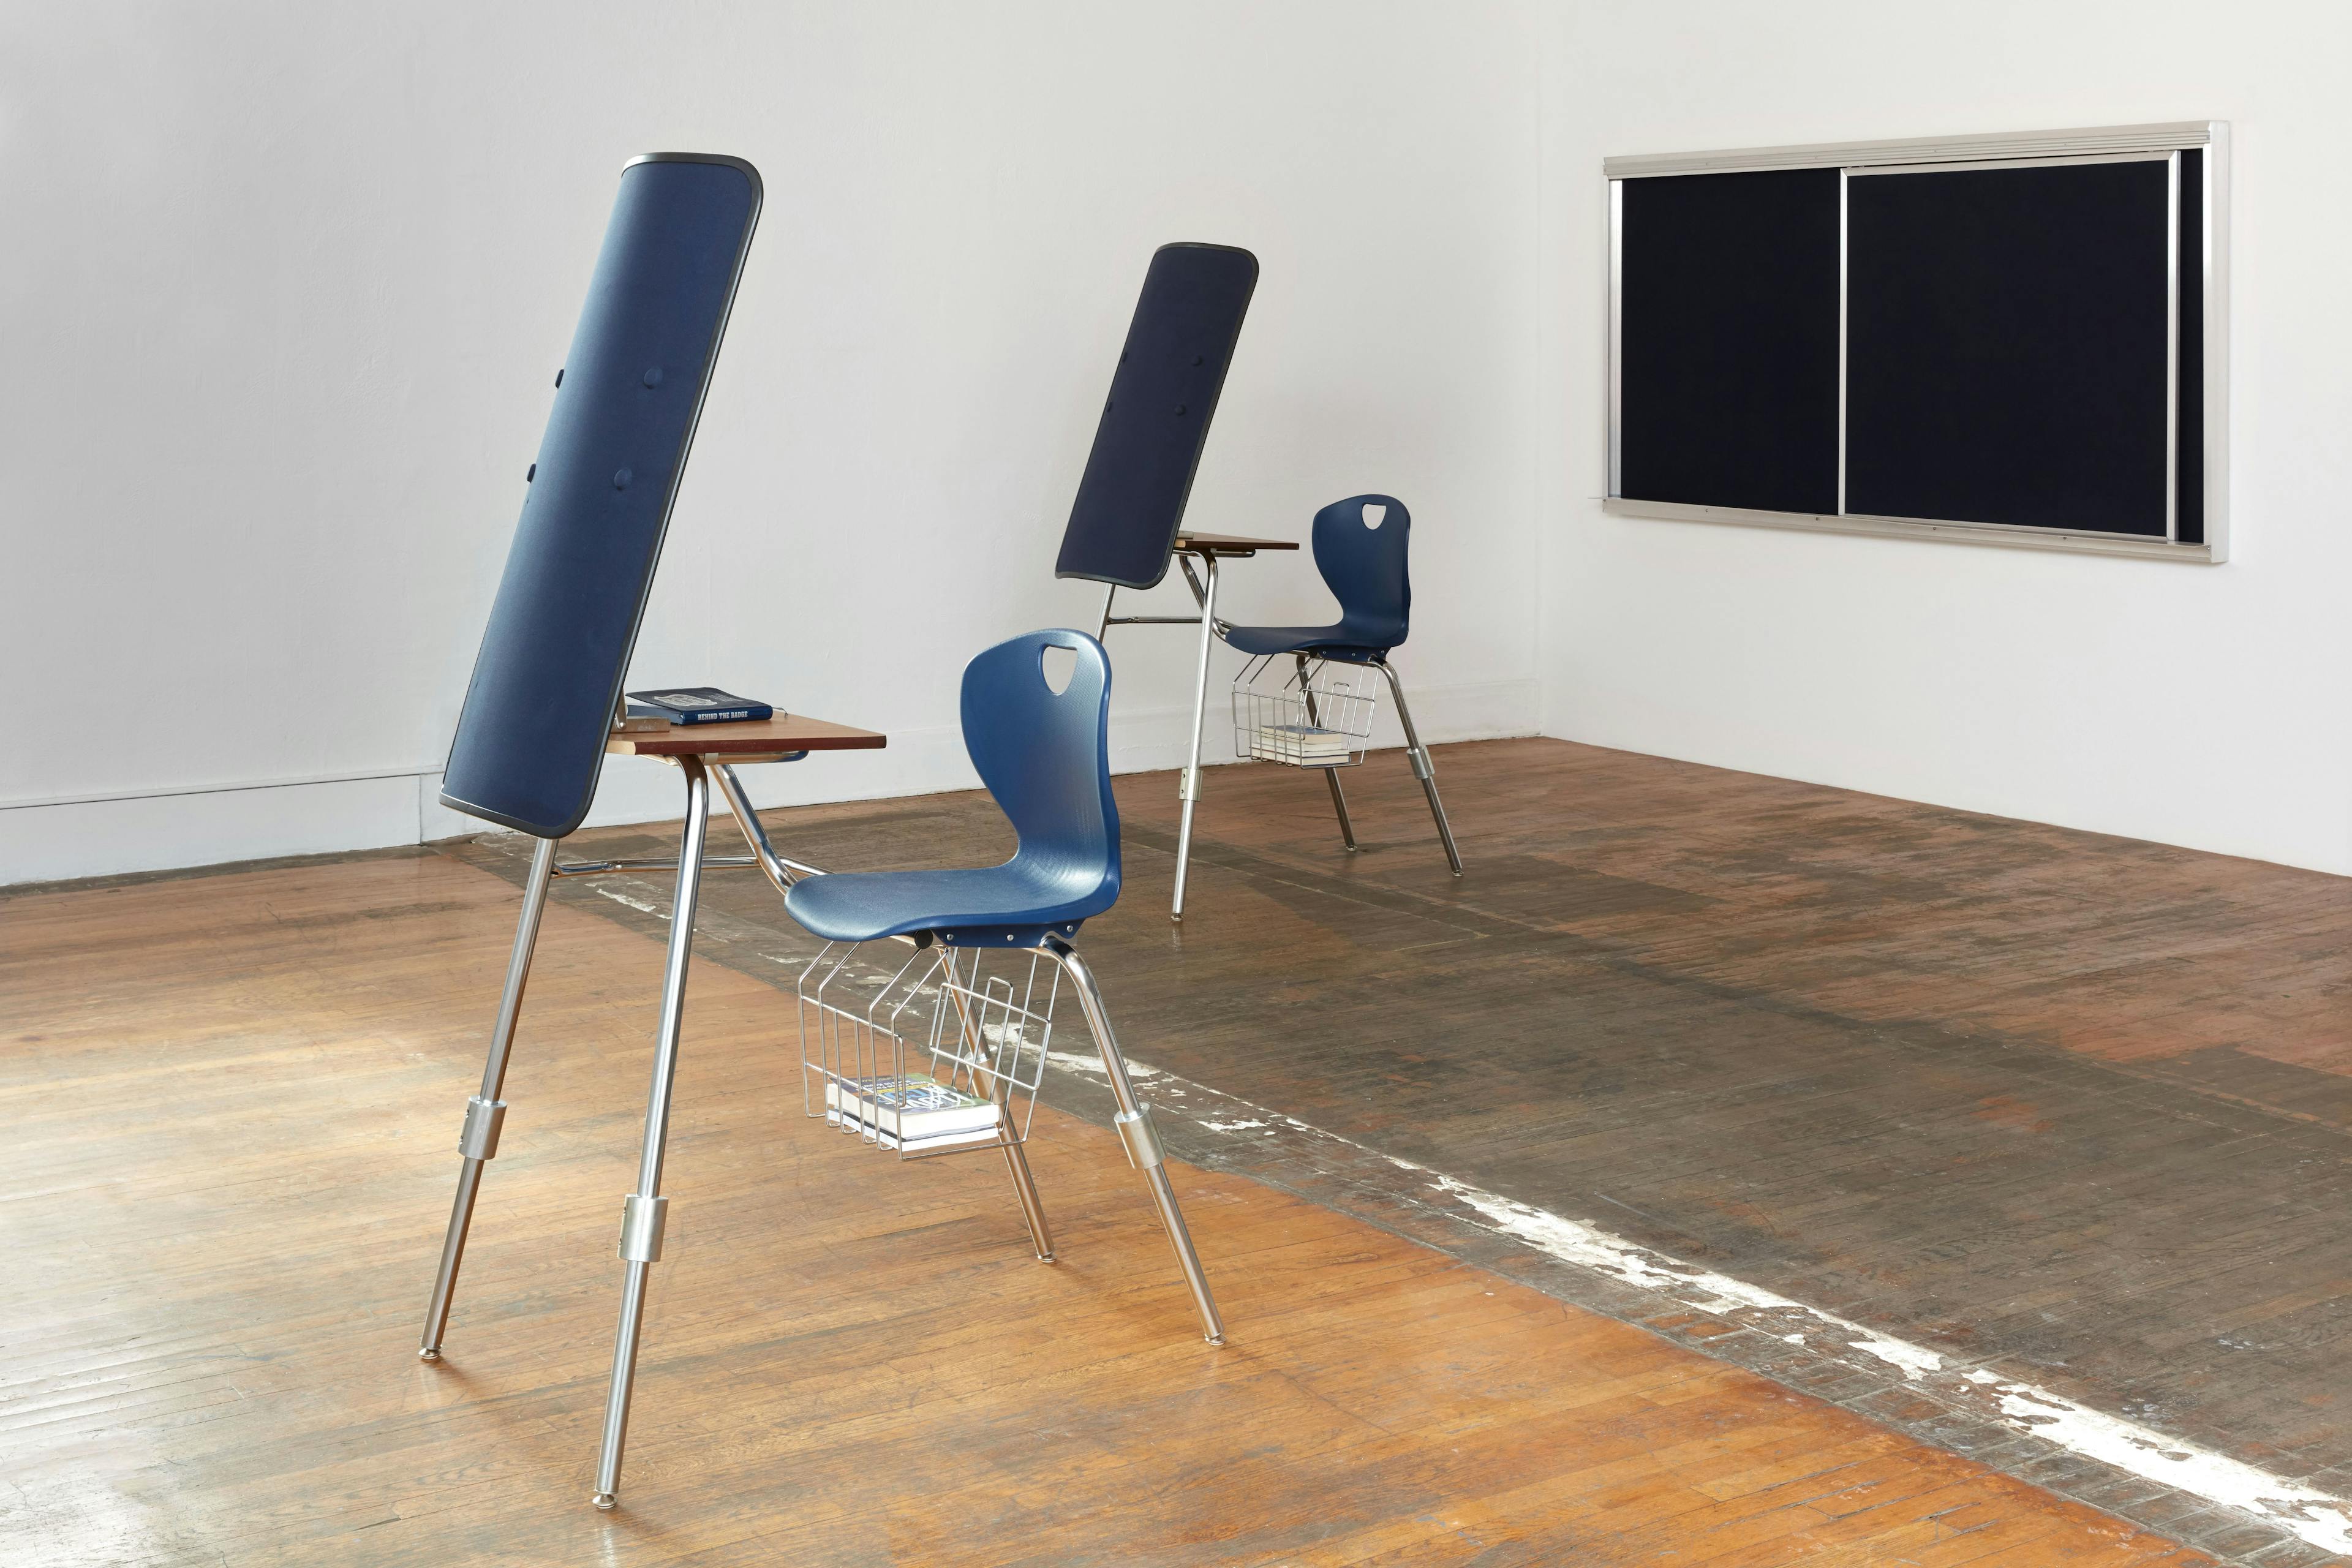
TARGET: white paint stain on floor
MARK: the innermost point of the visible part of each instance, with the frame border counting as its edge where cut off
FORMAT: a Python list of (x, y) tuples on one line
[(2319, 1517)]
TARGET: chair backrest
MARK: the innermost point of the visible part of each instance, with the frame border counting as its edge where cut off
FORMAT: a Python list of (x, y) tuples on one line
[(1360, 547), (531, 740), (1164, 393), (1045, 756)]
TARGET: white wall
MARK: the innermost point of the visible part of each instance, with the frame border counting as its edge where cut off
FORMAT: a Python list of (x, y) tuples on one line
[(2197, 705), (286, 286)]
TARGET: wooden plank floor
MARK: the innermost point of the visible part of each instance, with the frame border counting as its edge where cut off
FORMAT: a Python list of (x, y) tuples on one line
[(232, 1101), (2066, 1107)]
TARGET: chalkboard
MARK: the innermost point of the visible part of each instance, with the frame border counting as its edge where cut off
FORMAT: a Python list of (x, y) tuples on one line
[(2017, 335), (531, 740), (2009, 340), (1728, 364)]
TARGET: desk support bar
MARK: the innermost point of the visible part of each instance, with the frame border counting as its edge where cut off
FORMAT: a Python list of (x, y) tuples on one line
[(660, 863), (643, 1211), (1207, 592), (486, 1111), (1134, 1124), (781, 870), (1192, 581)]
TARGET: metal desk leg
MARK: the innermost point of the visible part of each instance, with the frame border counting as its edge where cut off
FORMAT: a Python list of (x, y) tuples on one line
[(1330, 776), (1191, 785), (486, 1112), (1135, 1129), (643, 1211), (1424, 769)]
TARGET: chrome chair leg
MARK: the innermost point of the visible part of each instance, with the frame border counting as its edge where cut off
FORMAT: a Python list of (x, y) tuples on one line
[(486, 1112), (643, 1212), (1340, 804), (1330, 776), (1016, 1158), (1032, 1208), (1423, 768), (1191, 778), (1135, 1129)]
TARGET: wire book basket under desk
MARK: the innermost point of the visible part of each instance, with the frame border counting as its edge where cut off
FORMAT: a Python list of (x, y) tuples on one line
[(1310, 714), (946, 1028)]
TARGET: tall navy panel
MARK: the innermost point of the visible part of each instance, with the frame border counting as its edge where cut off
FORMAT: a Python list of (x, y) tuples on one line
[(1156, 420), (531, 738)]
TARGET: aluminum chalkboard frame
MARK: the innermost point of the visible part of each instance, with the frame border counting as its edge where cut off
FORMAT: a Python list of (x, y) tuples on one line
[(2195, 523)]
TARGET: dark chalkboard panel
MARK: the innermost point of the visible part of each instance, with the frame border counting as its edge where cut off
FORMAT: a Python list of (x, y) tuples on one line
[(1726, 344), (2008, 340)]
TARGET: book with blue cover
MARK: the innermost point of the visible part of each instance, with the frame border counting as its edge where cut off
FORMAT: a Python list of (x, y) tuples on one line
[(696, 705)]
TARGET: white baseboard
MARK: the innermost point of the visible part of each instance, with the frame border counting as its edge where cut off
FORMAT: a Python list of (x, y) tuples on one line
[(63, 839), (58, 840)]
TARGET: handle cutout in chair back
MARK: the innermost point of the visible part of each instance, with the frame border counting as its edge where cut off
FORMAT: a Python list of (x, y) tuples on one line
[(1360, 547), (1045, 755)]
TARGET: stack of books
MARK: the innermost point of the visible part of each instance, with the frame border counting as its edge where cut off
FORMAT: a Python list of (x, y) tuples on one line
[(1304, 746), (912, 1114)]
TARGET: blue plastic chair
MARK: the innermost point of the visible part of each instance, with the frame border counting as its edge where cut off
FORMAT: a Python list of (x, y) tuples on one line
[(1360, 545), (1045, 757)]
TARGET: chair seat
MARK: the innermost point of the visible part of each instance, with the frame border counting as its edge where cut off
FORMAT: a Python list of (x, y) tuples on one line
[(1340, 642), (1011, 905)]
